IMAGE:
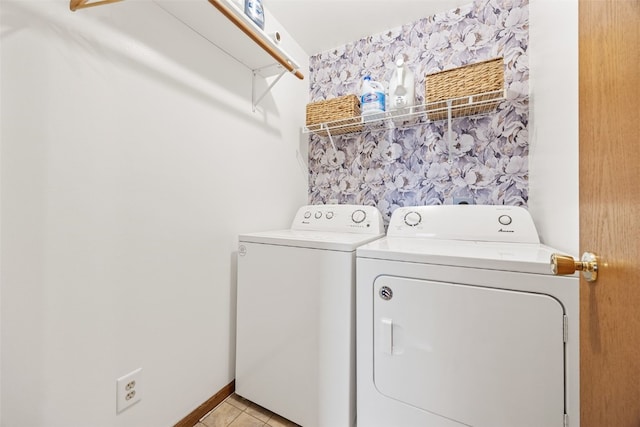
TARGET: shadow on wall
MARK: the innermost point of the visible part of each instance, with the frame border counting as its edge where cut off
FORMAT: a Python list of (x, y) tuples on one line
[(394, 166), (116, 35)]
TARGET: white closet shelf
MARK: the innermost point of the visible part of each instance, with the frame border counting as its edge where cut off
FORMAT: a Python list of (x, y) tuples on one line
[(258, 51)]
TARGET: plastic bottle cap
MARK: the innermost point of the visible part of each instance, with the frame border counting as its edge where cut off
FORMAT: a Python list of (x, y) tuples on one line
[(367, 78)]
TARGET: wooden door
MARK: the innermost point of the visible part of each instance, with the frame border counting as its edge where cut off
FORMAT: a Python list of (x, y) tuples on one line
[(609, 46)]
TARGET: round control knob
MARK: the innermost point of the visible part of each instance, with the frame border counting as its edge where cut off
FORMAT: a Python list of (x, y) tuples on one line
[(307, 214), (505, 219), (412, 219), (329, 215), (358, 216), (318, 215)]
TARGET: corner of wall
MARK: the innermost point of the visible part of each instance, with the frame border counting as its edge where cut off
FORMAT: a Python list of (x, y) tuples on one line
[(553, 127)]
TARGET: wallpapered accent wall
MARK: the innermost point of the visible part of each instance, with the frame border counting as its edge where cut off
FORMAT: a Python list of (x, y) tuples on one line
[(391, 167)]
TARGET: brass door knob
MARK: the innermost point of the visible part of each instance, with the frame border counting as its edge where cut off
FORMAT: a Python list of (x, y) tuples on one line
[(565, 264)]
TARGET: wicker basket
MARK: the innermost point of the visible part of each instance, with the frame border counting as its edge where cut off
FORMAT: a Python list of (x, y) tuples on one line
[(471, 89), (342, 115)]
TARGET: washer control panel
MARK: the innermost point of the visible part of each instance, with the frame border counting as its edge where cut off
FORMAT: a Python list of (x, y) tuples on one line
[(465, 222), (339, 218)]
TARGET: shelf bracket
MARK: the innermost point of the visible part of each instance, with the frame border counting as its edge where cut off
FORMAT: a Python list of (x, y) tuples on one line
[(255, 101), (324, 126), (449, 131)]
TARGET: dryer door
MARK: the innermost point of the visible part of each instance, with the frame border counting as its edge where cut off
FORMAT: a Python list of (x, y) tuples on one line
[(481, 356)]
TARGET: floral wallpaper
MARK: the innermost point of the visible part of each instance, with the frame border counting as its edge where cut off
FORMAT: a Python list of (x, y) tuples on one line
[(391, 166)]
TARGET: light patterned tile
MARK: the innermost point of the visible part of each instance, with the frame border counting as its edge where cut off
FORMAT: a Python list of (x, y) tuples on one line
[(238, 401), (263, 414), (222, 416), (278, 421), (246, 420)]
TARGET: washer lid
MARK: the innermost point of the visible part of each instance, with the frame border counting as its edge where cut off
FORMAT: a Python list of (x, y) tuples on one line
[(346, 242), (517, 257)]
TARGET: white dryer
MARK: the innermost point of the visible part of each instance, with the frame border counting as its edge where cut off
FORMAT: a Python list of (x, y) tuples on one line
[(295, 341), (460, 323)]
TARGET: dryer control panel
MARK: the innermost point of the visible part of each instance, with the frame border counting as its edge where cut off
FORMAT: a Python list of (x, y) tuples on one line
[(465, 222), (339, 218)]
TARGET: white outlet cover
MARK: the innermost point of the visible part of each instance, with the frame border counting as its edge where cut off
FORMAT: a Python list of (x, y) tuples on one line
[(128, 390)]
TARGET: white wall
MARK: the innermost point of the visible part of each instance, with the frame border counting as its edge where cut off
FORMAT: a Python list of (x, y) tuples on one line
[(553, 158), (130, 162)]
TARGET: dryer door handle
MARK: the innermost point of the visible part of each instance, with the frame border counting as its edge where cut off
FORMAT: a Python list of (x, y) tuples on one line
[(565, 265), (386, 336)]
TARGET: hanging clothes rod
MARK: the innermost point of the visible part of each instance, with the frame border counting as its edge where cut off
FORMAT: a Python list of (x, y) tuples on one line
[(82, 4)]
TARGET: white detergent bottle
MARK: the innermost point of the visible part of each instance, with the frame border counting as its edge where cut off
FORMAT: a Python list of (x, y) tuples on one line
[(372, 101), (401, 89)]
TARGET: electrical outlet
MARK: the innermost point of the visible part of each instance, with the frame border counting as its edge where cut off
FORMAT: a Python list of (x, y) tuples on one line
[(128, 390)]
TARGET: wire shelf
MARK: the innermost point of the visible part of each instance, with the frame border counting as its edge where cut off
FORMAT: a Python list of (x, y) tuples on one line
[(465, 106)]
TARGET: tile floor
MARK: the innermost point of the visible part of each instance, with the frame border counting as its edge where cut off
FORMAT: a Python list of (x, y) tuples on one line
[(236, 411)]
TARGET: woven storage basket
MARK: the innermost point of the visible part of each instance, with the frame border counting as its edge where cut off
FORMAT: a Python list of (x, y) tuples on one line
[(483, 78), (341, 112)]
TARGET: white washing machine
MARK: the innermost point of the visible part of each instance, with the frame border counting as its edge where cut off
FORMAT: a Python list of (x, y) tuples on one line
[(295, 341), (460, 323)]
